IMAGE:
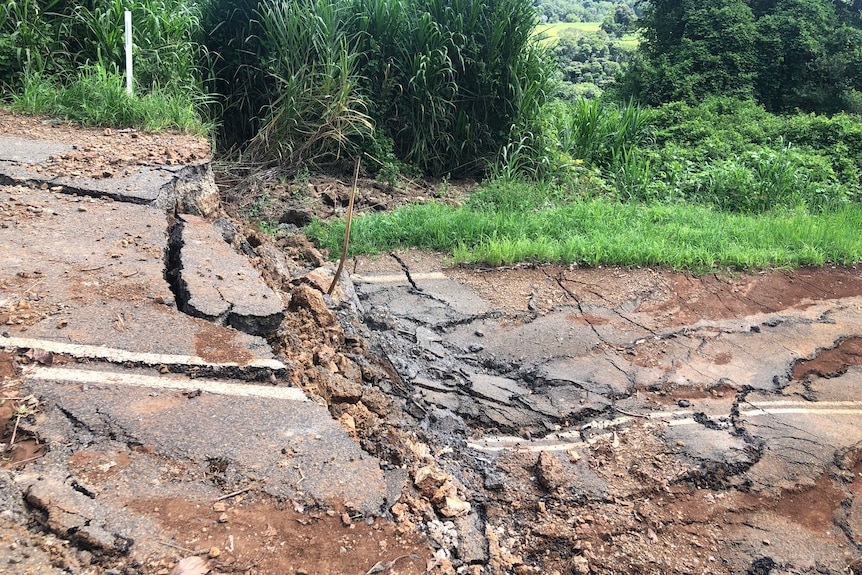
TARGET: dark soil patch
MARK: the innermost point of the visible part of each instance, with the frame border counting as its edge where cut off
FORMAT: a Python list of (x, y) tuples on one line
[(714, 297), (812, 508), (216, 344)]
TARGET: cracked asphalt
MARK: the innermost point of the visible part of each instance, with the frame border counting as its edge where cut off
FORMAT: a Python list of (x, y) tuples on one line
[(452, 420), (750, 383), (141, 336)]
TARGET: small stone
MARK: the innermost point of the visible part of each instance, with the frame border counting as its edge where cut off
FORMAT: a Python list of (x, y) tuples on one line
[(214, 552), (579, 565), (222, 518), (766, 542), (345, 518), (453, 506), (428, 479), (495, 481), (684, 403), (219, 506), (551, 473)]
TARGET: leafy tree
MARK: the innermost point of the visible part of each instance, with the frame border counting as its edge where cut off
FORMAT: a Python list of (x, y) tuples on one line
[(595, 59), (580, 10), (620, 21), (690, 50), (788, 54), (809, 59)]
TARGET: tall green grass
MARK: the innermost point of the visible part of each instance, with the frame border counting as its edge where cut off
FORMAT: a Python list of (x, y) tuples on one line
[(62, 57), (509, 222), (316, 113), (98, 97), (442, 82)]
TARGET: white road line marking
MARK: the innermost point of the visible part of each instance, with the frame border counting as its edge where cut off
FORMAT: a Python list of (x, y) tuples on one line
[(804, 403), (163, 382), (115, 355), (491, 447), (556, 441), (397, 278), (797, 410), (686, 421)]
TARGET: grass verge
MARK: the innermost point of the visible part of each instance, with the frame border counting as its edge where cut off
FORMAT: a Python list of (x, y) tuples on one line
[(510, 222), (553, 30), (99, 98)]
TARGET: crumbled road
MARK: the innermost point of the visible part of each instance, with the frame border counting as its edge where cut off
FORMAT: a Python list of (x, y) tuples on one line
[(176, 387)]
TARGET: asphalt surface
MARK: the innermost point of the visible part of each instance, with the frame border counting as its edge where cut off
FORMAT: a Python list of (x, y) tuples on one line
[(180, 379), (148, 333), (746, 420)]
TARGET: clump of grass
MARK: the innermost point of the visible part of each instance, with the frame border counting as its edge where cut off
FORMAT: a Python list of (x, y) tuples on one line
[(316, 113), (63, 58), (98, 97), (510, 222)]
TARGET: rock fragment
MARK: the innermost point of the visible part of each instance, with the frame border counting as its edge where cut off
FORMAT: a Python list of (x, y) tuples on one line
[(550, 472)]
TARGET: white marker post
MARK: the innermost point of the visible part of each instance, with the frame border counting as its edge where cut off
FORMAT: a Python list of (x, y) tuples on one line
[(128, 19)]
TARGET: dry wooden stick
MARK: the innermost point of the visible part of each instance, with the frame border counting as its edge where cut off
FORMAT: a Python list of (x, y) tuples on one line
[(234, 494), (347, 228), (15, 431), (28, 460)]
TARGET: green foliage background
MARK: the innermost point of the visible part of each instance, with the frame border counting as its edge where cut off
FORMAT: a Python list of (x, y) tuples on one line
[(64, 57), (440, 84), (785, 54), (729, 110)]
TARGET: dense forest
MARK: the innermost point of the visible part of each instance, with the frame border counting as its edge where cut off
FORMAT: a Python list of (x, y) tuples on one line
[(579, 10), (785, 54)]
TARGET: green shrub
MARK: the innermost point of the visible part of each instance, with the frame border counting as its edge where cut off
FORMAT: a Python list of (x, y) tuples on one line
[(739, 157), (445, 81), (316, 114)]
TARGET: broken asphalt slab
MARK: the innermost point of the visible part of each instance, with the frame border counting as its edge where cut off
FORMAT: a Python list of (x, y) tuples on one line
[(84, 281), (216, 283), (91, 272), (186, 188), (124, 440), (291, 445), (560, 376)]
